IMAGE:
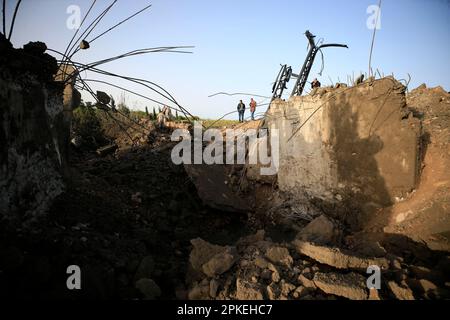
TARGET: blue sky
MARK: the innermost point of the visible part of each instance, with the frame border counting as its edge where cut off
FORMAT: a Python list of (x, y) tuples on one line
[(239, 44)]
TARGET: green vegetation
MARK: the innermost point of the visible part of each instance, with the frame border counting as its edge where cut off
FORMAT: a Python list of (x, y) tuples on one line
[(218, 123), (87, 124)]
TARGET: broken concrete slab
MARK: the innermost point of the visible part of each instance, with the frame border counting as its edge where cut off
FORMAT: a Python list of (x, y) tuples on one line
[(351, 285), (337, 258), (321, 230)]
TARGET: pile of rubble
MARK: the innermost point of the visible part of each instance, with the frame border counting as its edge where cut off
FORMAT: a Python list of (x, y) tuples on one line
[(255, 267)]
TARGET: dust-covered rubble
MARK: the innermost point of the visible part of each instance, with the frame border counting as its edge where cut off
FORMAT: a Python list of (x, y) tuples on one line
[(256, 267)]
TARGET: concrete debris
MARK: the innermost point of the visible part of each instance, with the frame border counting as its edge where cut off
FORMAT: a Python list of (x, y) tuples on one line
[(336, 257), (399, 292), (305, 282), (321, 230), (146, 268), (149, 289), (104, 151), (279, 255), (351, 285)]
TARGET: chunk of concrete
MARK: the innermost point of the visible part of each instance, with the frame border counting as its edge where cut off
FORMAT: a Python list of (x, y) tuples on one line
[(220, 263), (336, 257), (202, 252), (149, 289), (352, 144), (351, 286), (279, 255)]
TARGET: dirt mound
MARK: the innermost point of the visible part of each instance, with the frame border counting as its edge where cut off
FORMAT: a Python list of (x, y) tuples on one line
[(424, 215)]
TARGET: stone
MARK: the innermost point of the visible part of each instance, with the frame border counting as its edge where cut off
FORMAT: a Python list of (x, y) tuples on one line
[(422, 285), (337, 258), (373, 294), (202, 252), (213, 287), (275, 276), (273, 291), (199, 292), (350, 286), (146, 268), (251, 239), (320, 230), (247, 291), (300, 292), (220, 263), (370, 248), (420, 272), (104, 151), (286, 288), (279, 255), (149, 289), (399, 292), (266, 274), (261, 262)]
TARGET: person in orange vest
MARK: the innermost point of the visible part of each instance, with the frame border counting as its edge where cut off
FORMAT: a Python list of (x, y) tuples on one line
[(253, 108)]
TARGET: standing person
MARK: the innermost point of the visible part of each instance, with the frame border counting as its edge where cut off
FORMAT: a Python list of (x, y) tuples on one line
[(253, 108), (241, 111)]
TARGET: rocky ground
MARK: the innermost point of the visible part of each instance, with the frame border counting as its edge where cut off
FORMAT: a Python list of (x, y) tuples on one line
[(124, 217)]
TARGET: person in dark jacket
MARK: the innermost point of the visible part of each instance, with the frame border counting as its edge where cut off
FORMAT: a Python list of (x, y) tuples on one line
[(241, 111)]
